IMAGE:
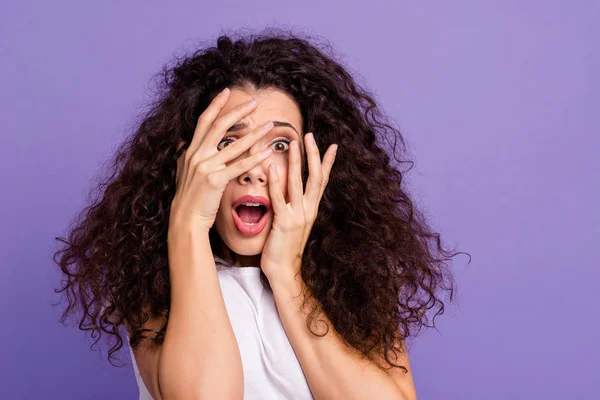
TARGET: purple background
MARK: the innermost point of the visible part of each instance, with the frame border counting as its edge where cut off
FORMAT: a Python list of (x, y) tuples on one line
[(499, 104)]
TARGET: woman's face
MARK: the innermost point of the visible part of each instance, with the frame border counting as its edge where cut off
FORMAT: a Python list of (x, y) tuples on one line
[(274, 105)]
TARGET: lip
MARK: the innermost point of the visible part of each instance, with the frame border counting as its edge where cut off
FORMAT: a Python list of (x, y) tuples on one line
[(251, 230), (252, 199)]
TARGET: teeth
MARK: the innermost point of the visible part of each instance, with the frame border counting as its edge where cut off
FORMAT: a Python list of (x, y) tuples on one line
[(251, 204)]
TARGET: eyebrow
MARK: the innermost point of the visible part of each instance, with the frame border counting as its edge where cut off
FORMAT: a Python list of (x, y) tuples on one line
[(242, 125)]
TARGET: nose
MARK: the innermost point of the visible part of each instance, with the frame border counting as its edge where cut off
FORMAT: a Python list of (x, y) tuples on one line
[(257, 175)]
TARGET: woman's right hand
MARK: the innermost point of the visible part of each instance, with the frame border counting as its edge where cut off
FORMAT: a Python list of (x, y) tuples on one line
[(202, 173)]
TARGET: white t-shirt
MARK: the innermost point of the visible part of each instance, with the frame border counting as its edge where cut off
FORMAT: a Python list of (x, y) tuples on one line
[(271, 368)]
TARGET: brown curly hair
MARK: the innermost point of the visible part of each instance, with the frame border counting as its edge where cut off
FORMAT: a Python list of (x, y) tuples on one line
[(371, 261)]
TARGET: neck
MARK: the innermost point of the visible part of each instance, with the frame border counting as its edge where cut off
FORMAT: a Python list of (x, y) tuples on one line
[(241, 261), (247, 261)]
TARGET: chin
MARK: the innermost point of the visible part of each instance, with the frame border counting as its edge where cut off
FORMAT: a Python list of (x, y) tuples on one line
[(240, 244), (245, 246)]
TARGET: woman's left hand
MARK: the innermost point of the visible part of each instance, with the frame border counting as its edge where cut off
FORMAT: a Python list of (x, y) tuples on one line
[(282, 254)]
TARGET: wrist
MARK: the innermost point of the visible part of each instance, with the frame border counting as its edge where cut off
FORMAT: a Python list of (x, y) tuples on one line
[(186, 228), (188, 238), (286, 282)]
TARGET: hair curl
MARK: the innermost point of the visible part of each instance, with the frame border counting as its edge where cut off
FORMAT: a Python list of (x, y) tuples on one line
[(371, 261)]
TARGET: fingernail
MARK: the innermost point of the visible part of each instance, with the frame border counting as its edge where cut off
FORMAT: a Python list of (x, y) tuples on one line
[(252, 103), (224, 92)]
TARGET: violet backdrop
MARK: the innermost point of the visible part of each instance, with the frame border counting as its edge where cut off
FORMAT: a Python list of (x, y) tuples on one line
[(499, 104)]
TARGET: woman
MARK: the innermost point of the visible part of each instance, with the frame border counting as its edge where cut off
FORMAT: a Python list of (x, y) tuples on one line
[(237, 280)]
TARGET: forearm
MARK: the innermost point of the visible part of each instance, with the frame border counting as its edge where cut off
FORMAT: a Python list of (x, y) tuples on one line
[(200, 357), (333, 369)]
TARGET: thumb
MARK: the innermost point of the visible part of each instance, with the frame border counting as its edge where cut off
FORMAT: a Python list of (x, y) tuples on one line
[(180, 166)]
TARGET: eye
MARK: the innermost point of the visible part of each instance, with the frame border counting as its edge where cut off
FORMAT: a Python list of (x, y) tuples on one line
[(228, 140), (282, 140), (225, 140)]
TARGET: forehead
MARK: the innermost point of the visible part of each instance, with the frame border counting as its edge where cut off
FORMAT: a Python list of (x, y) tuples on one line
[(273, 104)]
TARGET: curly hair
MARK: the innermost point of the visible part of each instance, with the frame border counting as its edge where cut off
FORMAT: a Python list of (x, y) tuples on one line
[(371, 261)]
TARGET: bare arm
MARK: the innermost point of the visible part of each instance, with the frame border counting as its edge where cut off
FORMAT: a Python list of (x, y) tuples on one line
[(200, 357), (334, 370)]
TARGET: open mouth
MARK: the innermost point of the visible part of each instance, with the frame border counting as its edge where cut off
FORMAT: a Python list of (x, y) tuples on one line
[(250, 215), (250, 220)]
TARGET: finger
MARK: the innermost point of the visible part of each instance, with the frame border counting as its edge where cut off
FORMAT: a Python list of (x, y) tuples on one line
[(238, 147), (179, 170), (295, 189), (206, 119), (315, 174), (328, 161), (278, 203), (244, 165), (219, 126)]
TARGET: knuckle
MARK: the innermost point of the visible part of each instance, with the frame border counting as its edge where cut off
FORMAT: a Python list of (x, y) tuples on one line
[(198, 166), (204, 117), (302, 220), (218, 123), (213, 179), (193, 160)]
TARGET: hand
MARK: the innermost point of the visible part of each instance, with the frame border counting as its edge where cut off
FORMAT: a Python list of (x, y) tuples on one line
[(202, 173), (282, 254)]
